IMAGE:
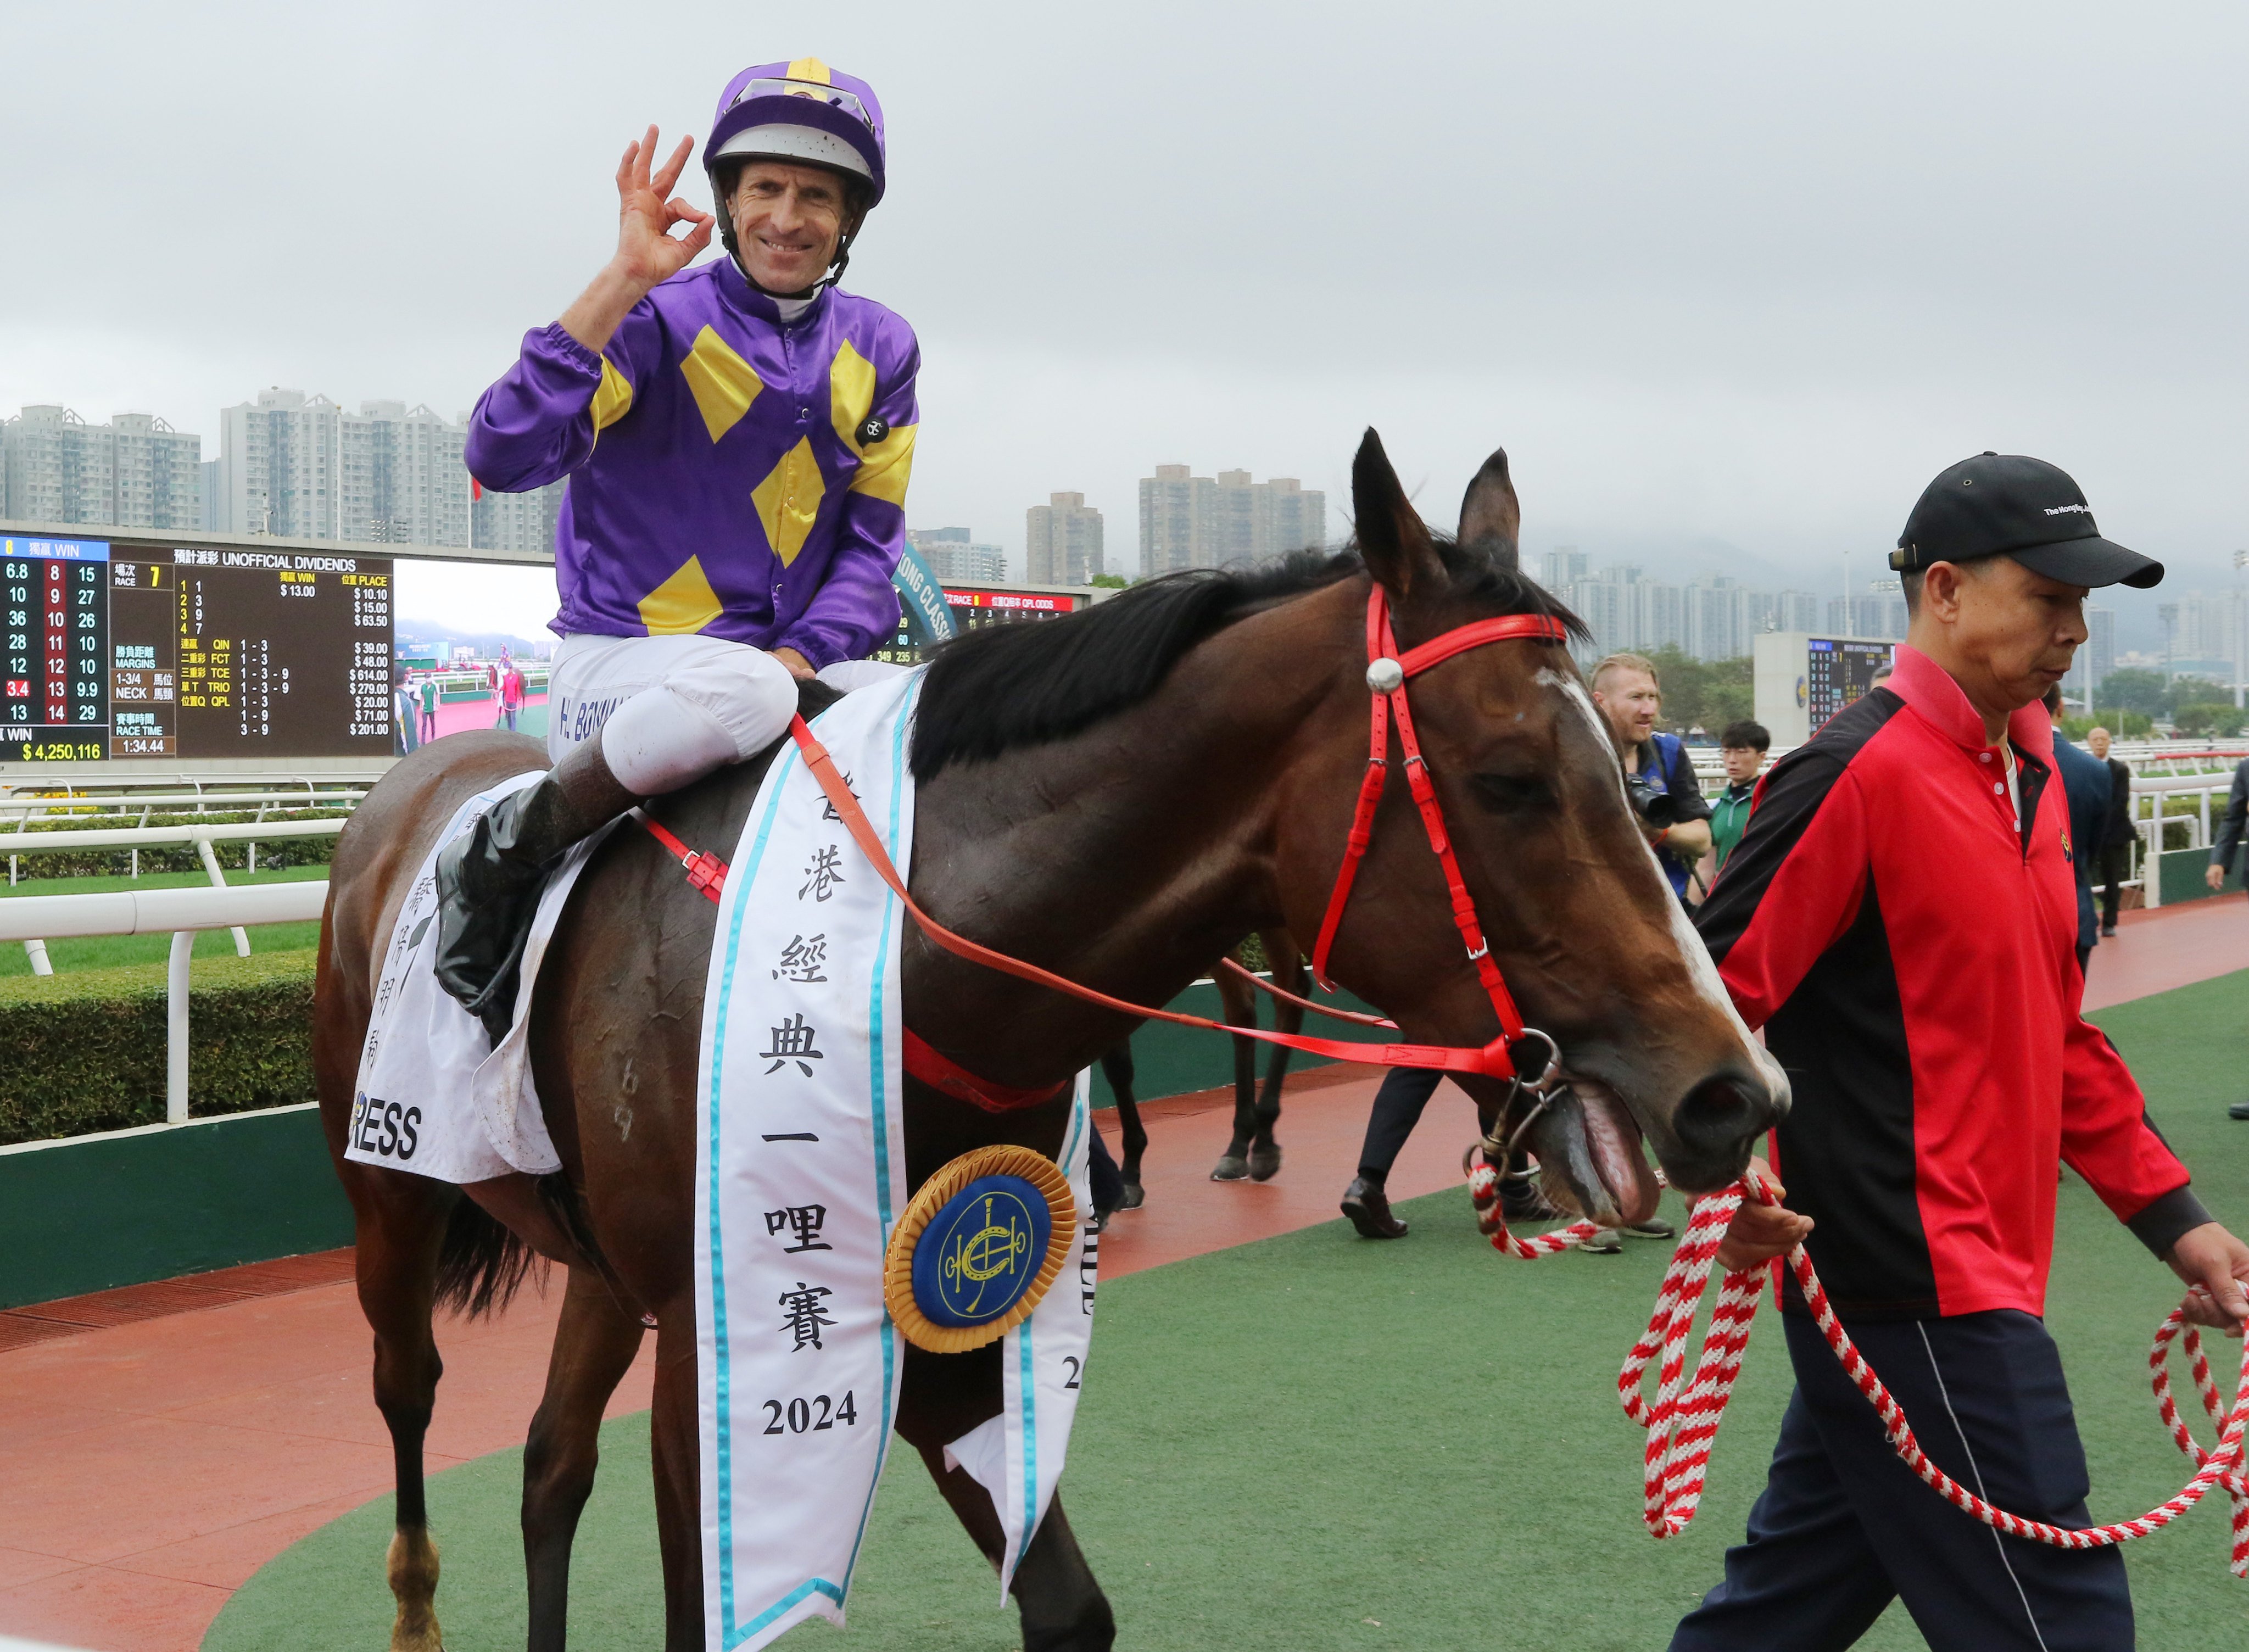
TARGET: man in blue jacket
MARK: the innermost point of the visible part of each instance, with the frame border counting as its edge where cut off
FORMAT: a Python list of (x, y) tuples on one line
[(1665, 794)]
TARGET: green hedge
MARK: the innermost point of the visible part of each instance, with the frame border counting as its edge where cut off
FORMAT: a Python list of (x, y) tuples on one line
[(84, 1051), (171, 858)]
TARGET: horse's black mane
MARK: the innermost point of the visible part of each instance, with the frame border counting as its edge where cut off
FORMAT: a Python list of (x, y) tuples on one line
[(1003, 686)]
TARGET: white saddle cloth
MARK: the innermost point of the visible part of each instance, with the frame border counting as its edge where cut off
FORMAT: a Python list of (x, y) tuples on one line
[(434, 1096)]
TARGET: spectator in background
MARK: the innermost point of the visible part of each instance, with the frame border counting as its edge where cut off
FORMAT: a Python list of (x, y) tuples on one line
[(402, 738), (510, 693), (2113, 864), (1742, 748), (1657, 775), (2085, 782), (430, 707), (2221, 860)]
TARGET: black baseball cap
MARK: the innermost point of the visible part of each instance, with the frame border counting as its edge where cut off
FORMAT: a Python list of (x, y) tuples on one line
[(2010, 505)]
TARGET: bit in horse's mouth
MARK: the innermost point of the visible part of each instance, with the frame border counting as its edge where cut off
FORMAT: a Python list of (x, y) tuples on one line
[(1589, 1148)]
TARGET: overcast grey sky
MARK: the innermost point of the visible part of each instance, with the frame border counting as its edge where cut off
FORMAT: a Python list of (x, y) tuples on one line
[(1727, 281)]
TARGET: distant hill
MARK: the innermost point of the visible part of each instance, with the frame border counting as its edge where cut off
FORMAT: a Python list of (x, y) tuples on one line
[(487, 643)]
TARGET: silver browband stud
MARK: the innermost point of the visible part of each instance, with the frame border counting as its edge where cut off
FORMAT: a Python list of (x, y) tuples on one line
[(1385, 676)]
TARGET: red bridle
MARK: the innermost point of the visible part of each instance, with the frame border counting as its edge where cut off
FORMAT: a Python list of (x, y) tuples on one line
[(1387, 673)]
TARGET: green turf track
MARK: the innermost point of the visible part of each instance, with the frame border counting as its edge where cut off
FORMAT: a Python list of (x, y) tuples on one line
[(1318, 1442)]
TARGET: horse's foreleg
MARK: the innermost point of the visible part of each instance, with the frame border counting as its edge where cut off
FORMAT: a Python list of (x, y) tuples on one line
[(594, 1344), (1062, 1608), (1290, 974), (1238, 1006), (1116, 1067), (675, 1446), (401, 1231)]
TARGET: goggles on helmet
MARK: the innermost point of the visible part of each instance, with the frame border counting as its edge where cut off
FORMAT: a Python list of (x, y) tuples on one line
[(834, 96)]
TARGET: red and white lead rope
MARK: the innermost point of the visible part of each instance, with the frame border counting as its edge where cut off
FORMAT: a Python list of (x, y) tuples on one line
[(1681, 1423)]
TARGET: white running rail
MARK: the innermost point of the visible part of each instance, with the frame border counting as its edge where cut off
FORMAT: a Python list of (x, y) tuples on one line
[(136, 839)]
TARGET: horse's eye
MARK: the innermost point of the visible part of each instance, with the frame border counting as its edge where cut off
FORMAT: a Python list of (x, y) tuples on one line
[(1513, 794)]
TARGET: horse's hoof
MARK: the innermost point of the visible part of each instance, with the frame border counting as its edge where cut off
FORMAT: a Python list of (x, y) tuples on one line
[(412, 1565), (1265, 1162), (1135, 1196), (1232, 1168), (1097, 1223)]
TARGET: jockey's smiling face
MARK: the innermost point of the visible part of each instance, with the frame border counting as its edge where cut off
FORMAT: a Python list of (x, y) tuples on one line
[(788, 220)]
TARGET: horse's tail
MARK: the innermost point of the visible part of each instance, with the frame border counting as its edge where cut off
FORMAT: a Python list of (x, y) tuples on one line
[(481, 1264)]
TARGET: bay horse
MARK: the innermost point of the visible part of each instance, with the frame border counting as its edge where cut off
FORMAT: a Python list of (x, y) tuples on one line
[(1253, 1152), (1121, 795)]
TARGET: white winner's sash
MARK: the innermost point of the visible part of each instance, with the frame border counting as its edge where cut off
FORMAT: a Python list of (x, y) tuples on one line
[(800, 1173), (1017, 1456)]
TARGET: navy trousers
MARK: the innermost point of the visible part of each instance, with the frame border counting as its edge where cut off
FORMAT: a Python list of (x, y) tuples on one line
[(1398, 1104), (1843, 1526)]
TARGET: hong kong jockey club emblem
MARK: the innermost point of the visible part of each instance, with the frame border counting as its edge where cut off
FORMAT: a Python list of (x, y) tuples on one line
[(978, 1247)]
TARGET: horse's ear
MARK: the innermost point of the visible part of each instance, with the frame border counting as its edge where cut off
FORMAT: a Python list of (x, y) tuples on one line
[(1392, 537), (1489, 515)]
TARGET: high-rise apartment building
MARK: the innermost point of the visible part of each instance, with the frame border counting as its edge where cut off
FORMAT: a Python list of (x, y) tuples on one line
[(401, 480), (1202, 521), (280, 463), (1711, 618), (955, 558), (1062, 541), (1879, 612), (135, 472), (1169, 502), (1565, 566), (300, 465), (2096, 657), (1795, 611), (516, 521)]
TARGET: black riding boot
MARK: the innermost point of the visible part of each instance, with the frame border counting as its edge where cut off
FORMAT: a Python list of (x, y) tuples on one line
[(489, 879)]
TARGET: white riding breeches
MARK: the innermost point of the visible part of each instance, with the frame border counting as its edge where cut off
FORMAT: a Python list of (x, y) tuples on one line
[(669, 710)]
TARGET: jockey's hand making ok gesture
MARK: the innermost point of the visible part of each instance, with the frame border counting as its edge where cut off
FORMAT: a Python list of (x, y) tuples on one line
[(647, 250)]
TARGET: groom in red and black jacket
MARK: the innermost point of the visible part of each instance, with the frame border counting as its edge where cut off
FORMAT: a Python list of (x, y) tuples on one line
[(1900, 917)]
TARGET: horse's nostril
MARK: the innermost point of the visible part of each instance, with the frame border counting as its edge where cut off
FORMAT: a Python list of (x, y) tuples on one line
[(1721, 1114)]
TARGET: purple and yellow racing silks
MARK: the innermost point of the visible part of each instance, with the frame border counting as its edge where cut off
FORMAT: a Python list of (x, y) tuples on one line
[(729, 473)]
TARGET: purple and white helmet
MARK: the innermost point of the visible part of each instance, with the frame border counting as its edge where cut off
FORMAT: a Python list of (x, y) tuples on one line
[(803, 112)]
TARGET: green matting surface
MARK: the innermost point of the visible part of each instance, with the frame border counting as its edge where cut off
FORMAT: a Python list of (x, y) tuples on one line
[(1315, 1441)]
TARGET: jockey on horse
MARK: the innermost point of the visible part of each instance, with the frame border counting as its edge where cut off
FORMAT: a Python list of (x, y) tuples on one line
[(738, 437)]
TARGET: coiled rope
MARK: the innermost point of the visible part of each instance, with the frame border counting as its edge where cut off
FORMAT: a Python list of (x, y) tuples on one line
[(1681, 1421)]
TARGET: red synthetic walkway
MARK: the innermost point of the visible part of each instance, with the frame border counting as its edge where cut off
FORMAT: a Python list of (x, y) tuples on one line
[(158, 1444)]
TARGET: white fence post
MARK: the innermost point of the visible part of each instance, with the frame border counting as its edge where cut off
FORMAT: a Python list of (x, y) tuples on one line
[(36, 952), (175, 1027)]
